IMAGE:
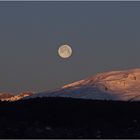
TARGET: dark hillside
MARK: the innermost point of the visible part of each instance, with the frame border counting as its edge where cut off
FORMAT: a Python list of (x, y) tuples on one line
[(69, 118)]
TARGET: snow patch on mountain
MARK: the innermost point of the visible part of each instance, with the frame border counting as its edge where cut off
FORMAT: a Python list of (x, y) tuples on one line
[(11, 97)]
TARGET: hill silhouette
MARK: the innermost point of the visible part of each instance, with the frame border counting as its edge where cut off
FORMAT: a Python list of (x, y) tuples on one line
[(69, 118)]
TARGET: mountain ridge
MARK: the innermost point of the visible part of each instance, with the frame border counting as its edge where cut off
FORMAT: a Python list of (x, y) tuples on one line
[(113, 85)]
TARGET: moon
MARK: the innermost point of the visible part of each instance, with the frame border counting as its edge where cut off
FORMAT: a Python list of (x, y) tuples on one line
[(65, 51)]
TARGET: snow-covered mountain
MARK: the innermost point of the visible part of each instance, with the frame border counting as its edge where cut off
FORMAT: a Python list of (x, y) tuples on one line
[(114, 85), (10, 97)]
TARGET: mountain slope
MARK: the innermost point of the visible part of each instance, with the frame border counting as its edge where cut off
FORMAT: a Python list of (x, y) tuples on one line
[(114, 85)]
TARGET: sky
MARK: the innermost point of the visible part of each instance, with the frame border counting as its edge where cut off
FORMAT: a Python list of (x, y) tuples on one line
[(104, 36)]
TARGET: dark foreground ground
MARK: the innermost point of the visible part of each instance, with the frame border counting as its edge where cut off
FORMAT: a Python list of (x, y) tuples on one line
[(69, 118)]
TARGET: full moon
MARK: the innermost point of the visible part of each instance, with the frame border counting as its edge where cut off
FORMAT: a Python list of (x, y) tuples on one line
[(65, 51)]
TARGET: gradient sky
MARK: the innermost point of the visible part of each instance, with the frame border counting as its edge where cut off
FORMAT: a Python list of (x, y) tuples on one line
[(104, 36)]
